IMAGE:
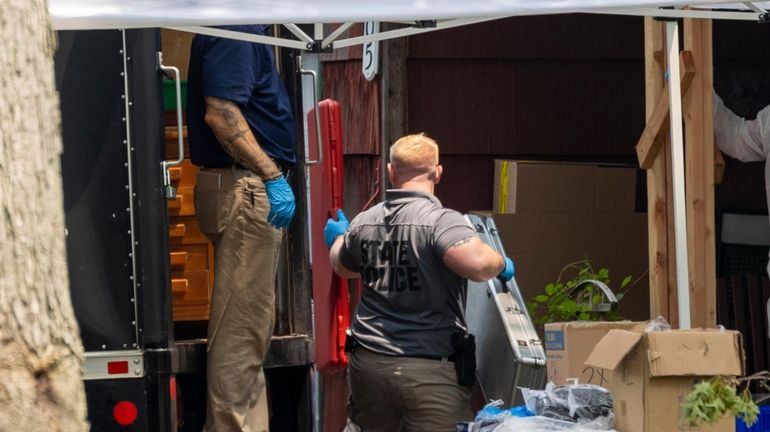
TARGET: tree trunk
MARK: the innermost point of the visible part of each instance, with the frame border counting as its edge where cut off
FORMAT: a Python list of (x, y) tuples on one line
[(40, 349)]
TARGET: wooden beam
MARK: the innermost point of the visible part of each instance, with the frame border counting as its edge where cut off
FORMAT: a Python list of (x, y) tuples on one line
[(699, 176), (659, 203), (653, 83), (393, 98), (658, 122)]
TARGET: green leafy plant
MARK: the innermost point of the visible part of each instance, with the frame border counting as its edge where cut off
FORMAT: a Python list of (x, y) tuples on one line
[(571, 299), (713, 398)]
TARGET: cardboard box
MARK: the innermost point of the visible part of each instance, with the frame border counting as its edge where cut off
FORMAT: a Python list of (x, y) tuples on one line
[(652, 373), (568, 345), (541, 245), (559, 187)]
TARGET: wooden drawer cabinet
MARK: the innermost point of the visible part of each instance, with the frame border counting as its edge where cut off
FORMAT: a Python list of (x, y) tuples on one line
[(192, 256)]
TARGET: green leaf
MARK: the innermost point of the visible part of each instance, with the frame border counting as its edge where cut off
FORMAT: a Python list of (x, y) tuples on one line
[(627, 280), (558, 302), (570, 306), (710, 400)]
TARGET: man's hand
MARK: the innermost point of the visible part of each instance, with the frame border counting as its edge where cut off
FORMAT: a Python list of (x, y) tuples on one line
[(334, 229), (281, 199), (507, 273)]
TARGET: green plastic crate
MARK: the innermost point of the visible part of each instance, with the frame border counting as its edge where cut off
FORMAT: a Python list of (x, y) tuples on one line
[(169, 95)]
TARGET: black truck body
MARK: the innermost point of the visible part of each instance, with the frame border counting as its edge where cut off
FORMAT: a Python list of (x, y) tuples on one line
[(138, 377)]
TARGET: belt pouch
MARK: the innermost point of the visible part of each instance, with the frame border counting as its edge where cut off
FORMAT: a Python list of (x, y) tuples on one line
[(464, 345)]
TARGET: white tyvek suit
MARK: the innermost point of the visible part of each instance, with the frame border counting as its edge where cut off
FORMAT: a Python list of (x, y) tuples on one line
[(745, 140)]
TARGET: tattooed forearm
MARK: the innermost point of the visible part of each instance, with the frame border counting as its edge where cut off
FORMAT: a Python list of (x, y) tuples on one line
[(233, 133)]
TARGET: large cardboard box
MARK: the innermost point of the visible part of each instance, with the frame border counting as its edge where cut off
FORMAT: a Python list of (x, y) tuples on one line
[(541, 245), (560, 187), (652, 373), (568, 345)]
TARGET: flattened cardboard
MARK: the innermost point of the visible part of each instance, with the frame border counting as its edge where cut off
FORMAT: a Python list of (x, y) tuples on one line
[(562, 187), (542, 244), (543, 187), (613, 348), (615, 189), (694, 353)]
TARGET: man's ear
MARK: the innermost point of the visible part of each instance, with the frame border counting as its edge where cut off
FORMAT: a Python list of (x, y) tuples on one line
[(439, 171), (391, 174)]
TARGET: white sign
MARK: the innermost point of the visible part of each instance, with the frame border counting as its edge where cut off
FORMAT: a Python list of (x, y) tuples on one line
[(371, 56)]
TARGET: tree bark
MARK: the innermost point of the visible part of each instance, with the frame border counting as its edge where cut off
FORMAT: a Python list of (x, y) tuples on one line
[(41, 388)]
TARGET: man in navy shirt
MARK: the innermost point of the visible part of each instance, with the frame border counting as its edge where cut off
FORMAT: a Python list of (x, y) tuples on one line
[(241, 134)]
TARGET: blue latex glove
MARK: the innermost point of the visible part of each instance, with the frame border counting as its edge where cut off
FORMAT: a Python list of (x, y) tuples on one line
[(508, 270), (335, 228), (281, 199)]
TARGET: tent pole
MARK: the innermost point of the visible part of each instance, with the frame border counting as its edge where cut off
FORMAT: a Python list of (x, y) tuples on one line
[(677, 174)]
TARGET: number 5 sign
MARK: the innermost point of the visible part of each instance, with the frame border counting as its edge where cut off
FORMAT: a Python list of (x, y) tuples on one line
[(370, 58)]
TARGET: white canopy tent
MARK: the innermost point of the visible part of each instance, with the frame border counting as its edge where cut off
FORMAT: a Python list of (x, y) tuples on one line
[(92, 14), (417, 16)]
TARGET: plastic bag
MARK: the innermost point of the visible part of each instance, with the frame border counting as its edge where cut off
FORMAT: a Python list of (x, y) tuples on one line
[(489, 417), (658, 324), (551, 402), (544, 424), (583, 404), (589, 402)]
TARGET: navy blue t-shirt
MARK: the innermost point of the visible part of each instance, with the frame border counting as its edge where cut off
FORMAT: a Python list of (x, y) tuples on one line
[(244, 73)]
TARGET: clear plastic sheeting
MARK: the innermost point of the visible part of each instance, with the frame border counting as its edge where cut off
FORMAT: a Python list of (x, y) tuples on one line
[(584, 405), (492, 415), (105, 14), (574, 408), (544, 424), (657, 325)]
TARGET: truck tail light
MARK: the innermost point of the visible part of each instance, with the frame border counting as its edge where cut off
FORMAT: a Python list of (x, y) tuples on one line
[(117, 367), (172, 388), (125, 413)]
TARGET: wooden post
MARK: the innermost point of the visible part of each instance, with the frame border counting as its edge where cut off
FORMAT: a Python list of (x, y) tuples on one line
[(393, 99), (699, 180), (659, 202)]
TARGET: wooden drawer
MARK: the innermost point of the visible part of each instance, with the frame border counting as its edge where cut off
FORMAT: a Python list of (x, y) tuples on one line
[(172, 145), (183, 175), (183, 204), (191, 295), (185, 230), (190, 257), (190, 285)]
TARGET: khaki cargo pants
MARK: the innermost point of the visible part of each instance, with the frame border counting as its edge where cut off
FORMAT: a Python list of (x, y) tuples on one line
[(232, 208), (405, 394)]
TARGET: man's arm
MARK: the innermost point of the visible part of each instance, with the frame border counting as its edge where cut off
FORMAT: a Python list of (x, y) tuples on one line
[(334, 257), (745, 140), (226, 120), (473, 259)]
